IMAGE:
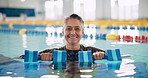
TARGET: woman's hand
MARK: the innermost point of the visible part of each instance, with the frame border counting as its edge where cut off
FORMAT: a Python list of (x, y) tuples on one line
[(46, 56), (98, 55)]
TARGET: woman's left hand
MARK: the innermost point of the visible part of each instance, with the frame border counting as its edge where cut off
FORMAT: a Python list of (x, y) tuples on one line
[(98, 55)]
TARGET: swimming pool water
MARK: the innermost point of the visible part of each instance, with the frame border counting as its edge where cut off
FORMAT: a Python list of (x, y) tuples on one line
[(14, 44)]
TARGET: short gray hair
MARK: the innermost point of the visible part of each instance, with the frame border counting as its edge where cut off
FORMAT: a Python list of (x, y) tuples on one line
[(75, 16)]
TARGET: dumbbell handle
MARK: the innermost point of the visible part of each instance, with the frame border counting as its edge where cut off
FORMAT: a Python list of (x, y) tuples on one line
[(105, 56)]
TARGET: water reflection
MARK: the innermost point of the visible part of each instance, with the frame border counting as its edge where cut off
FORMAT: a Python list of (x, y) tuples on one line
[(127, 68), (73, 69), (82, 70), (132, 69), (59, 66), (24, 40), (31, 66)]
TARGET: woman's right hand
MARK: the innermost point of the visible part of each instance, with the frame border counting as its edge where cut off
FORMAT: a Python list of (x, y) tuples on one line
[(46, 56)]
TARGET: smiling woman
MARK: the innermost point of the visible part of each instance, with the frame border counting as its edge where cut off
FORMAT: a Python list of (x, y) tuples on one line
[(73, 31), (86, 44), (13, 44)]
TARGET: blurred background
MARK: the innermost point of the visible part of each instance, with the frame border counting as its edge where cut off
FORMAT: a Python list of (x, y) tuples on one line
[(90, 10), (38, 23), (109, 24)]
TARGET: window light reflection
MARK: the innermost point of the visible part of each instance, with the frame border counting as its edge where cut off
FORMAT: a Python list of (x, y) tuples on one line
[(86, 76), (86, 70), (127, 68), (52, 38), (50, 76), (24, 39)]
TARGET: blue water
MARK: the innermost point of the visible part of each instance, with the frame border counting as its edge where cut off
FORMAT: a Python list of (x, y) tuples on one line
[(13, 44)]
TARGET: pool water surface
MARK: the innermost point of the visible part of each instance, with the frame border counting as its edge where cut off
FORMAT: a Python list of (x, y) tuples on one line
[(13, 44)]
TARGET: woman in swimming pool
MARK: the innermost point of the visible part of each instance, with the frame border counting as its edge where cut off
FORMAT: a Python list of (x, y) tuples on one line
[(73, 30)]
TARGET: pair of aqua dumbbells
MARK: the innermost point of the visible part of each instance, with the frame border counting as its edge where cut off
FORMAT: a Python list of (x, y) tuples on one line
[(83, 56)]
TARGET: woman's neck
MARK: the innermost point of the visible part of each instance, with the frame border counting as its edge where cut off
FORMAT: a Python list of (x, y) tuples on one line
[(72, 47)]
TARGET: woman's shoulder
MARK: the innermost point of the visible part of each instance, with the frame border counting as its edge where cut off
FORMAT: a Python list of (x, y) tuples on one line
[(93, 49), (50, 50)]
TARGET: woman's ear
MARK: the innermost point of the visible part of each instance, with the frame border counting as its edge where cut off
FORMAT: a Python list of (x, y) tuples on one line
[(83, 32), (63, 31)]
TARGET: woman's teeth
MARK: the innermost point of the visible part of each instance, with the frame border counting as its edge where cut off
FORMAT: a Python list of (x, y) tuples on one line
[(72, 37)]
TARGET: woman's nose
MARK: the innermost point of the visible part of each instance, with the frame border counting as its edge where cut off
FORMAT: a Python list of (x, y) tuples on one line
[(72, 31)]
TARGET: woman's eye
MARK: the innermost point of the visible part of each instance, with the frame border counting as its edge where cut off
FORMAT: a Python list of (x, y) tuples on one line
[(77, 28), (68, 28)]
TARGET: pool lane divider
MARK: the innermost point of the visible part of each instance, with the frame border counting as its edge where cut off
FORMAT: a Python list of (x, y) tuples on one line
[(33, 26), (23, 31), (101, 36)]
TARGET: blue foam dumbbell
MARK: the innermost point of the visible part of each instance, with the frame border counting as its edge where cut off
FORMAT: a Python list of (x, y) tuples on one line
[(111, 55), (32, 56), (85, 56), (59, 56)]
